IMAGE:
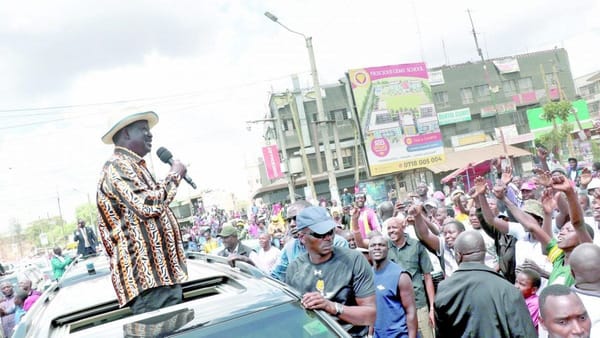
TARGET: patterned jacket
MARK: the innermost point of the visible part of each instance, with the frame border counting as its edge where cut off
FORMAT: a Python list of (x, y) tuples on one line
[(138, 229)]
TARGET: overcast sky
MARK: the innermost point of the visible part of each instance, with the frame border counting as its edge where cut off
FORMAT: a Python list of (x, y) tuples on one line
[(207, 66)]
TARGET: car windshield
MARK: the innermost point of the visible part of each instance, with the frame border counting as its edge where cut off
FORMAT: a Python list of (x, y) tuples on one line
[(288, 320)]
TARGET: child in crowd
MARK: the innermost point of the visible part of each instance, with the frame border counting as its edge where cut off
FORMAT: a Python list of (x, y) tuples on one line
[(528, 282)]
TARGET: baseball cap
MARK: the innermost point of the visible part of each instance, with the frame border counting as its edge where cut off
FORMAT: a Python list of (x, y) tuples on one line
[(316, 219), (457, 192), (439, 195), (228, 230), (432, 203), (528, 186), (534, 207)]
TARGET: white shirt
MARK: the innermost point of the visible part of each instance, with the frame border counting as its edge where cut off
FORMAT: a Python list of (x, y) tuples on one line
[(265, 260)]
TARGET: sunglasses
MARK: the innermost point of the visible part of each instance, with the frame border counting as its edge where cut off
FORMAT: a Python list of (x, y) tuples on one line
[(321, 236), (289, 220)]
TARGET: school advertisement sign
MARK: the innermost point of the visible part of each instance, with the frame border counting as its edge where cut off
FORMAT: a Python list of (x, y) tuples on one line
[(398, 121)]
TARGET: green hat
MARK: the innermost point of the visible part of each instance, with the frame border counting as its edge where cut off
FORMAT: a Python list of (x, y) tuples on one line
[(228, 230), (534, 207)]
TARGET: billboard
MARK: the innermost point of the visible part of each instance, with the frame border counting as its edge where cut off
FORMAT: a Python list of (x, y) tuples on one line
[(272, 162), (540, 126), (397, 118)]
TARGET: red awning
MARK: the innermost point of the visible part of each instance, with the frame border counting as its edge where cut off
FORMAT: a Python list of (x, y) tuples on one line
[(470, 171)]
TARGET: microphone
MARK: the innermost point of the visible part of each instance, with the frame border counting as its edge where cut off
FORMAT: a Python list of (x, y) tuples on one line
[(165, 155)]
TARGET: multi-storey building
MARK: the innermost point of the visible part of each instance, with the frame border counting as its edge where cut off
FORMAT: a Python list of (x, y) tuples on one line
[(478, 105), (588, 87)]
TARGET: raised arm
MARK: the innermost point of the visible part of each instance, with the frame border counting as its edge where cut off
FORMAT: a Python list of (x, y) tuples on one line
[(561, 183), (358, 238), (488, 215), (528, 222), (431, 241), (542, 155)]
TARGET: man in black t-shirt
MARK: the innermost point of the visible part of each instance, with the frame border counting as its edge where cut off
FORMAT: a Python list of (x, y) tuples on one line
[(336, 280)]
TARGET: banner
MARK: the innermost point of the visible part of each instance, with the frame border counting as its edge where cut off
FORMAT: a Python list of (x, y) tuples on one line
[(507, 65), (397, 118), (272, 162), (540, 126)]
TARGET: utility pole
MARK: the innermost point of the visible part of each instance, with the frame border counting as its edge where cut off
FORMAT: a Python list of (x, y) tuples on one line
[(307, 172), (333, 189), (62, 223), (489, 83)]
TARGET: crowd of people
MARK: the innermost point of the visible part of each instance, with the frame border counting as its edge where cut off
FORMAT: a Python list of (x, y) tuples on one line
[(508, 257), (15, 304), (479, 262)]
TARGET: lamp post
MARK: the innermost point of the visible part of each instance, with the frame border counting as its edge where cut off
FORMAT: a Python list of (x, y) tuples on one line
[(333, 189)]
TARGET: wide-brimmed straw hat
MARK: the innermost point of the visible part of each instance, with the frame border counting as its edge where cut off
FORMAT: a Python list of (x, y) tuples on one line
[(125, 117)]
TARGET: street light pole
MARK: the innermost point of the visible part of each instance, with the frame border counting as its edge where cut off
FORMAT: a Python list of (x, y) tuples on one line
[(333, 189)]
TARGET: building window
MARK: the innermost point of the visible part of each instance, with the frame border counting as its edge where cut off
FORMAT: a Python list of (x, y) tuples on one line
[(288, 124), (466, 94), (348, 157), (440, 98), (594, 106), (509, 87), (483, 93), (338, 115), (550, 81), (525, 85)]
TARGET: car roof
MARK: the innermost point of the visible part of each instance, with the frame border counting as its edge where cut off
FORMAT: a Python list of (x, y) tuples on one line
[(83, 304)]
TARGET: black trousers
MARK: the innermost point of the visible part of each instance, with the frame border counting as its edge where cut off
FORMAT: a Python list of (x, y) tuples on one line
[(157, 298)]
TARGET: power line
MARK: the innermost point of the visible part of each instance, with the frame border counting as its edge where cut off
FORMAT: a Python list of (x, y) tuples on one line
[(192, 93)]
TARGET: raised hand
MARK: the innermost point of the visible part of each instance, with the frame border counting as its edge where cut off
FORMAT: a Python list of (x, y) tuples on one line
[(480, 186), (544, 178), (548, 201), (414, 210), (585, 177), (507, 175), (542, 153), (561, 183)]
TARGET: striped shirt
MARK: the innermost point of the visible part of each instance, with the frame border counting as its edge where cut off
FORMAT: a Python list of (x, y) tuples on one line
[(138, 229)]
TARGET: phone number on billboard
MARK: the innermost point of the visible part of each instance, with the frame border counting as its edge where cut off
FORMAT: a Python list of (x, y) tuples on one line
[(422, 162)]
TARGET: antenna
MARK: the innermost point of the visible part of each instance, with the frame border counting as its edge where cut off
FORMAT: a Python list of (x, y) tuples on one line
[(475, 37), (418, 31), (445, 54)]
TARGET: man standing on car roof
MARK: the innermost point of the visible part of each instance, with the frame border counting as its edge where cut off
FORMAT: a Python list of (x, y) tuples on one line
[(139, 231)]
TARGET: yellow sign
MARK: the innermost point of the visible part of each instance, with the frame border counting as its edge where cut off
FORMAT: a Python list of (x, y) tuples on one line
[(411, 163)]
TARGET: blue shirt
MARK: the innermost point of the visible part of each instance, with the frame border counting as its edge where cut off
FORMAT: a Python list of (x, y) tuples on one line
[(391, 317)]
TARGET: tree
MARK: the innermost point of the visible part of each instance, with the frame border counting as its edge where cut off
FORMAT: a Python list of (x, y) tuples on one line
[(87, 212), (557, 113)]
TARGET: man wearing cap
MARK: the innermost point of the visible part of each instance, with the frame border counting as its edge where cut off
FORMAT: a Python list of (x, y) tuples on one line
[(232, 248), (525, 244), (294, 247), (336, 280), (138, 229)]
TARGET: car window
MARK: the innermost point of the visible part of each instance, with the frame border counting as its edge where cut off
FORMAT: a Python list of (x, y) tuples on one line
[(288, 320)]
